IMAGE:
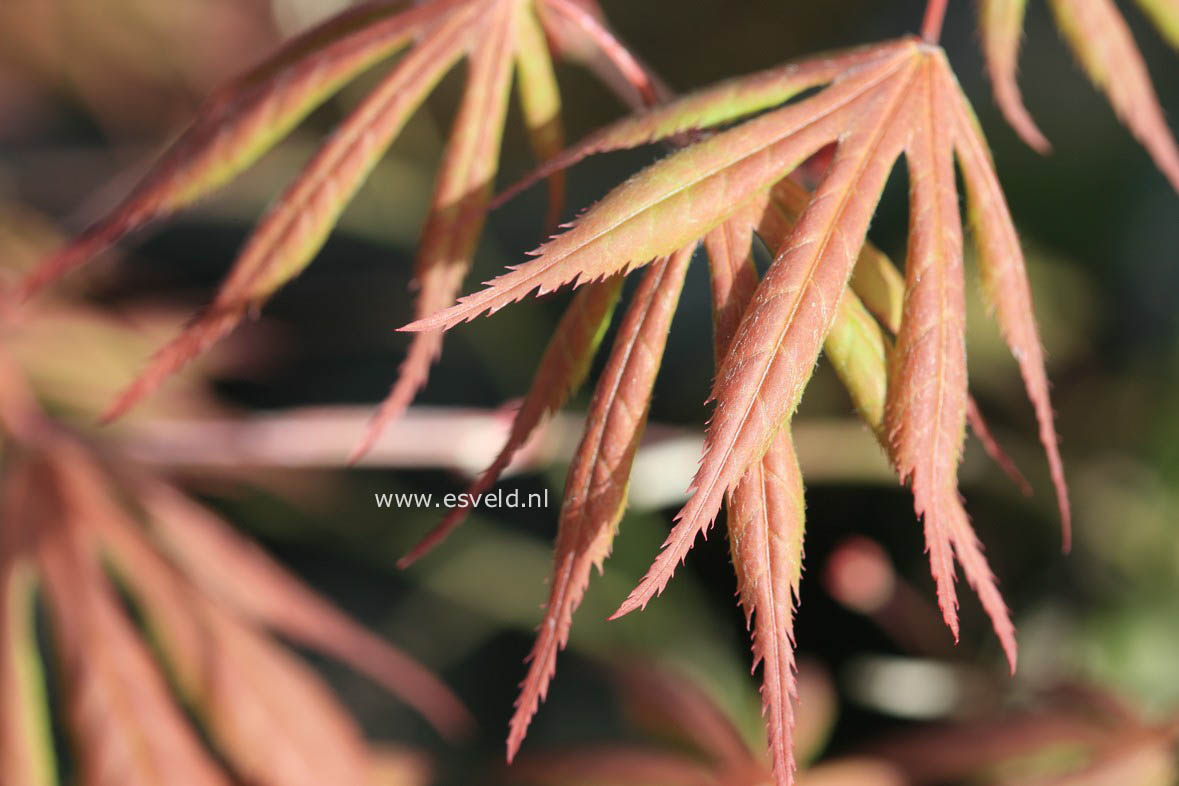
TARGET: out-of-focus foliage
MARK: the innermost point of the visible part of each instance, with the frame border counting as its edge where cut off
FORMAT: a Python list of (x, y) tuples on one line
[(81, 96)]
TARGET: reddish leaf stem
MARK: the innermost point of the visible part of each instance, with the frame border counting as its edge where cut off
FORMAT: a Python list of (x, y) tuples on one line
[(935, 15)]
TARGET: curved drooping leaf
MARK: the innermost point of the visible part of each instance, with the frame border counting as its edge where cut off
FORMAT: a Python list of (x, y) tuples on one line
[(298, 224), (457, 210), (248, 117), (1105, 47), (1002, 27), (256, 111), (927, 397), (855, 346), (246, 580), (781, 334), (270, 716), (562, 369), (595, 489), (1101, 40), (1005, 283), (127, 728), (766, 511)]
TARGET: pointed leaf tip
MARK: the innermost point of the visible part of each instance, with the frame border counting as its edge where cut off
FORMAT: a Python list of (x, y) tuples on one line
[(781, 334), (596, 486), (1104, 45), (1002, 27)]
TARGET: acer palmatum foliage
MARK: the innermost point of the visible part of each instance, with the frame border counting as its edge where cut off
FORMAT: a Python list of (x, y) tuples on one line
[(895, 340), (500, 40), (1099, 36), (878, 103), (209, 601)]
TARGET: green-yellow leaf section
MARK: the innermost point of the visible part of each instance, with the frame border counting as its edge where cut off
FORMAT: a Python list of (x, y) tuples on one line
[(1165, 15), (858, 351), (26, 710)]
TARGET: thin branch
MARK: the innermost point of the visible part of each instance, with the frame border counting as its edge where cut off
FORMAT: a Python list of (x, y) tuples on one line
[(935, 15)]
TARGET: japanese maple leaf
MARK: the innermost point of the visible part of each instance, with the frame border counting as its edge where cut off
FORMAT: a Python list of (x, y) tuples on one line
[(1102, 42), (499, 39), (878, 103), (209, 599)]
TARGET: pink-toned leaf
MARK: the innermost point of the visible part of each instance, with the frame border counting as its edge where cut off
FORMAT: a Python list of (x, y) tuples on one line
[(245, 579), (1105, 47), (780, 336), (274, 720), (596, 486), (855, 345), (1006, 285), (766, 510), (926, 409), (248, 117), (126, 727), (766, 518), (562, 369), (452, 229), (1001, 22), (678, 200), (299, 223)]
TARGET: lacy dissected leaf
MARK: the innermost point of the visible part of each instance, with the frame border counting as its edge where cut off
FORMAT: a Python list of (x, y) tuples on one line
[(926, 411), (299, 223), (246, 580), (779, 339), (26, 747), (1103, 43), (271, 717), (766, 510), (1002, 28), (856, 346), (796, 306), (458, 207), (562, 369), (596, 487), (1005, 283), (678, 200), (247, 118), (126, 728)]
